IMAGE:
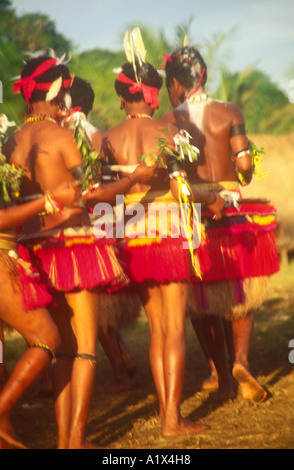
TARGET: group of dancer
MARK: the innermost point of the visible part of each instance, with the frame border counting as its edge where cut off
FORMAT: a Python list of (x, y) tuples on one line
[(56, 274)]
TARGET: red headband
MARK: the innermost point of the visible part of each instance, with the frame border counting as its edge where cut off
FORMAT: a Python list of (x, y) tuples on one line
[(29, 85), (150, 94)]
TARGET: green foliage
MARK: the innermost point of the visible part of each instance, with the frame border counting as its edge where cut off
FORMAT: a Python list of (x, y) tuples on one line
[(265, 107), (34, 32), (90, 158), (10, 65)]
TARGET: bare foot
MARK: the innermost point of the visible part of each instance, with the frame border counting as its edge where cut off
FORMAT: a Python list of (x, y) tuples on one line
[(184, 427), (8, 435), (250, 388), (115, 385), (208, 385)]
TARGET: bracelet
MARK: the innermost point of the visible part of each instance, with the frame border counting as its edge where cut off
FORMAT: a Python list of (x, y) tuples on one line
[(52, 206), (242, 153), (178, 173), (127, 176)]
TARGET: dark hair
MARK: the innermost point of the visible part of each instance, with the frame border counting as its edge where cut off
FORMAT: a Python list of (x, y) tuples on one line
[(82, 95), (146, 74), (186, 66), (47, 77)]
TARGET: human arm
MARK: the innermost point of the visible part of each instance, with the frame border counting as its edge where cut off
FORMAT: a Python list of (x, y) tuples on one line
[(107, 193), (211, 199), (240, 147), (65, 194)]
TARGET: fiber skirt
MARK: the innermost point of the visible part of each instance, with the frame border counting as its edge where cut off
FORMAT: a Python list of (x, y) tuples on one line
[(74, 259), (152, 247), (15, 263), (236, 257)]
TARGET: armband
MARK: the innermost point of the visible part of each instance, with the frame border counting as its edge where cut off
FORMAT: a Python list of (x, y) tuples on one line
[(237, 129), (174, 165), (78, 173), (241, 153)]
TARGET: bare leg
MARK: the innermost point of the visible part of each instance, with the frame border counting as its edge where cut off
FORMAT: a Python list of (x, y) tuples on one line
[(250, 388), (84, 308), (228, 329), (210, 329), (210, 384), (27, 370), (62, 369), (128, 359), (37, 327), (165, 306), (152, 302), (112, 343)]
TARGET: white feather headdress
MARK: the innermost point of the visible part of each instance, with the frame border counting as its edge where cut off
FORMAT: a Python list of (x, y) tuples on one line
[(134, 48)]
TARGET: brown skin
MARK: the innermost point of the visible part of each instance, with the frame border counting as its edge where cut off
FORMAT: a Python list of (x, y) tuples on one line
[(215, 164), (165, 305), (111, 340), (47, 153), (216, 148), (36, 326)]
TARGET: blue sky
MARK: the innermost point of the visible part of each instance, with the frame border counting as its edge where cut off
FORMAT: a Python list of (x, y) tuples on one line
[(264, 32)]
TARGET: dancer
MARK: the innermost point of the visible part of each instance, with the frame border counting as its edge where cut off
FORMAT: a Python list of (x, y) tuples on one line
[(24, 300), (75, 264), (239, 251), (158, 267), (116, 312)]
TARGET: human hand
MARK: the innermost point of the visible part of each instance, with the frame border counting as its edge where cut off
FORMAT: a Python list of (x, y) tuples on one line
[(217, 206), (68, 193), (143, 173)]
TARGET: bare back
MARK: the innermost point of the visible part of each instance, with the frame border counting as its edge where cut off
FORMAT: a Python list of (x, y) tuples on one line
[(127, 142), (47, 153), (209, 123)]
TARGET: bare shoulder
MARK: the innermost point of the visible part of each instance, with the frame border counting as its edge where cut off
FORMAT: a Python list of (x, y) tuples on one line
[(97, 139), (166, 128), (169, 117), (230, 111)]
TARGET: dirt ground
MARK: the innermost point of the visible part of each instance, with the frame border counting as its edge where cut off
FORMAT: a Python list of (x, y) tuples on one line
[(129, 420)]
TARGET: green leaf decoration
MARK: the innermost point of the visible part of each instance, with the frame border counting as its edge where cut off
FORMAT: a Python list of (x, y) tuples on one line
[(10, 177), (91, 159)]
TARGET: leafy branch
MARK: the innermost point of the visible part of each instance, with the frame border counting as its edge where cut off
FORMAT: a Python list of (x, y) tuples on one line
[(90, 158), (10, 177)]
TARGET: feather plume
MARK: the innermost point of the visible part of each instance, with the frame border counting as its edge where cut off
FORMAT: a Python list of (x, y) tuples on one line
[(186, 41), (54, 89), (130, 50), (129, 47), (139, 47)]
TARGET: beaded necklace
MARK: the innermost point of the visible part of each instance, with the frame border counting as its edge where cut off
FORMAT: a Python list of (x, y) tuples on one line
[(196, 98), (40, 117), (138, 116)]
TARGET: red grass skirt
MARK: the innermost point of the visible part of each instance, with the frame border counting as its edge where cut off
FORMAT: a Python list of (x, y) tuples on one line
[(236, 255), (78, 260), (156, 258), (24, 276), (160, 261)]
